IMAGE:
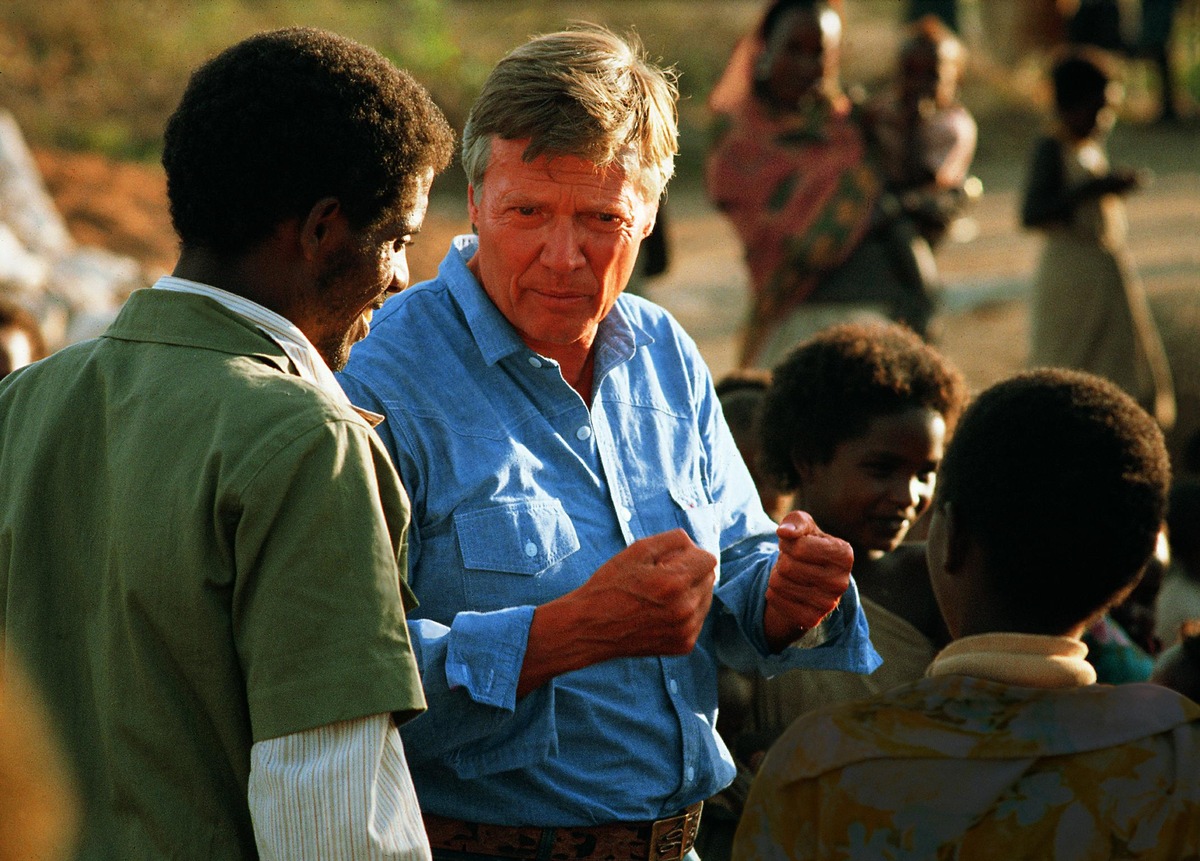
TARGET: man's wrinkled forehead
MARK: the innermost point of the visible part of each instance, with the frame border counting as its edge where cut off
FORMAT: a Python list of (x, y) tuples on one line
[(624, 170)]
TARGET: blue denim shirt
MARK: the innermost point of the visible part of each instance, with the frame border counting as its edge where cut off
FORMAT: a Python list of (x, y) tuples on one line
[(519, 493)]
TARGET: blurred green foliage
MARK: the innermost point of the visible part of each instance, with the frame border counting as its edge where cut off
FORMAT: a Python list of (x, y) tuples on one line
[(105, 74)]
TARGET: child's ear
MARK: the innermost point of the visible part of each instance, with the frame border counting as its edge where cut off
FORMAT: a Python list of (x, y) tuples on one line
[(956, 540), (806, 471)]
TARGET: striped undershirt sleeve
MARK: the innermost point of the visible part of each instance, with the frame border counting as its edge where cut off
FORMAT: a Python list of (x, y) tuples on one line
[(340, 792)]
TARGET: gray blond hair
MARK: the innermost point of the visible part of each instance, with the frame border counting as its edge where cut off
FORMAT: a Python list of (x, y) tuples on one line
[(582, 92)]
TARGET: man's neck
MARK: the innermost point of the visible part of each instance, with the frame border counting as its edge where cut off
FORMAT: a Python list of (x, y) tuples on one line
[(576, 361)]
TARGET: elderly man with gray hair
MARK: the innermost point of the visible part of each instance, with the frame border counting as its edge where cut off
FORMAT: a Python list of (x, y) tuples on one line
[(587, 545)]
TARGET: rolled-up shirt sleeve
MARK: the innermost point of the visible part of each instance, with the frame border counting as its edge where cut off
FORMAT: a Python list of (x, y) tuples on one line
[(470, 669)]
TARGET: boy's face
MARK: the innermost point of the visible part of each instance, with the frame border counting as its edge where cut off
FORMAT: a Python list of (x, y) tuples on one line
[(876, 485)]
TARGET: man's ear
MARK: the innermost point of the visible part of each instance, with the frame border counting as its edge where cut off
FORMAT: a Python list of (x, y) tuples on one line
[(319, 226), (472, 205), (957, 545)]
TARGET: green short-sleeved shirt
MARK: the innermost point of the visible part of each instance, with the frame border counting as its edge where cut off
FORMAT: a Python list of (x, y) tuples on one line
[(197, 551)]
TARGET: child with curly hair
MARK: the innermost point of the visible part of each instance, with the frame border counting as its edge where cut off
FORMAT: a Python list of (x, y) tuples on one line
[(853, 425)]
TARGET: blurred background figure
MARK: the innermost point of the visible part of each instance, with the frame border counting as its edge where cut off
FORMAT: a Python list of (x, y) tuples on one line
[(38, 799), (1178, 667), (1089, 309), (21, 341), (1136, 32), (945, 10), (791, 170), (926, 137), (1154, 44), (1179, 597), (925, 141)]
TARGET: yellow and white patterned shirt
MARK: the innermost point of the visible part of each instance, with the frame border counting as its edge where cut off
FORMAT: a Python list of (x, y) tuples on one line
[(971, 763)]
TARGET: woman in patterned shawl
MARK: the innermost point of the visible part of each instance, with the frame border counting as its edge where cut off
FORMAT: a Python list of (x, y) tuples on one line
[(791, 170)]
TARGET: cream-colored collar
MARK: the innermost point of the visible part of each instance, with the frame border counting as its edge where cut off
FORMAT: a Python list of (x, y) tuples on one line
[(1026, 660)]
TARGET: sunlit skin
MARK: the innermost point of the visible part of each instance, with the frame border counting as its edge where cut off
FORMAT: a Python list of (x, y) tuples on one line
[(800, 61), (558, 240), (16, 349), (359, 277), (876, 485)]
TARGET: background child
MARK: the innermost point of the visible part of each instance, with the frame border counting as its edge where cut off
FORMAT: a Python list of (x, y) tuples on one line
[(925, 136), (1178, 667), (1089, 309)]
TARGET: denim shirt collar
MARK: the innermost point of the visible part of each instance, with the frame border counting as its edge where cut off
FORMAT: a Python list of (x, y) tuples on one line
[(617, 338)]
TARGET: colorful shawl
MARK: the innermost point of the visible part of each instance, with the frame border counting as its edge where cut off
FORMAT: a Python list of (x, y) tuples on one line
[(796, 186)]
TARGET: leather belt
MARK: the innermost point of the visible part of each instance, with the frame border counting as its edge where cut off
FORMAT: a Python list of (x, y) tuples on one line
[(667, 839)]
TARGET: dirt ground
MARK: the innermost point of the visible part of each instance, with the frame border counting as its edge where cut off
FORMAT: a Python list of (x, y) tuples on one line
[(983, 326)]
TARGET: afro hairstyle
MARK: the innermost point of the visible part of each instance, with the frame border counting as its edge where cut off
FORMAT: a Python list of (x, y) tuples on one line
[(1060, 479), (830, 388), (286, 118)]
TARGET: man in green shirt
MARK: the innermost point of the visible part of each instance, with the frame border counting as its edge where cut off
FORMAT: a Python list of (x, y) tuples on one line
[(201, 540)]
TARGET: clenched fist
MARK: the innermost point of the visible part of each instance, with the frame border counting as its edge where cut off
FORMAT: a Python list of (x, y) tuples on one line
[(809, 578), (650, 599)]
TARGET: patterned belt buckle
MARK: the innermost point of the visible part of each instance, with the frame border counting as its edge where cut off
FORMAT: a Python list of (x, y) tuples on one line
[(672, 839)]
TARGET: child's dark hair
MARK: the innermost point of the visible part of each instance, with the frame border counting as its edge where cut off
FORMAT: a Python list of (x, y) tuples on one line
[(741, 393), (285, 118), (1060, 479), (829, 389), (1080, 74)]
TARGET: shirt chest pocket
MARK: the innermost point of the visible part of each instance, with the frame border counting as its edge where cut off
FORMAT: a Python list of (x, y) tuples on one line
[(700, 518), (508, 547)]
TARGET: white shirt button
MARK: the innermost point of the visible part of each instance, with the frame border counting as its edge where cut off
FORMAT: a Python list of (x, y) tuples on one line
[(674, 686), (690, 774), (625, 514), (535, 361), (583, 433), (531, 549)]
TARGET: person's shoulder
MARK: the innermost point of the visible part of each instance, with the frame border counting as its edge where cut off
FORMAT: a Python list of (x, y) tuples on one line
[(650, 316), (254, 394), (839, 734)]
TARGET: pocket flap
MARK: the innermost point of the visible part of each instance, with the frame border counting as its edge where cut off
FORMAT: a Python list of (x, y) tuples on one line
[(517, 538)]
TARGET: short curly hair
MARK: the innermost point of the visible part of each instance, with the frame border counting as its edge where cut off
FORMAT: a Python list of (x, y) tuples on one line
[(285, 118), (828, 389), (1061, 480)]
